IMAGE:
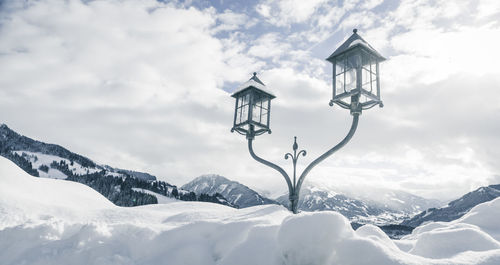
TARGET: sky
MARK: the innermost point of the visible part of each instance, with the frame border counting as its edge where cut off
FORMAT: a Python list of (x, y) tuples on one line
[(145, 85)]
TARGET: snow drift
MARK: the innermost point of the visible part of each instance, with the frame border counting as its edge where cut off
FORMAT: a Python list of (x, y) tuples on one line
[(44, 221)]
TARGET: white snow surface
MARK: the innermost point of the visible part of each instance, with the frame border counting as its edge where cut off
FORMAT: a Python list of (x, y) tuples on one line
[(38, 159), (48, 221), (162, 199)]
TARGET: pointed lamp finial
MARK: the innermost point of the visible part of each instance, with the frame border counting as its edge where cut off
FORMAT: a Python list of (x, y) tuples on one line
[(254, 74)]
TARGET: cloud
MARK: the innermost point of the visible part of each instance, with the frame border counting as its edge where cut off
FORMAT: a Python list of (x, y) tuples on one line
[(230, 21), (144, 85), (269, 46), (107, 72), (283, 13)]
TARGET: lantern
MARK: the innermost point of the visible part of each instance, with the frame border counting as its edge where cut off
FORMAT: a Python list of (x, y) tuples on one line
[(356, 82), (252, 108)]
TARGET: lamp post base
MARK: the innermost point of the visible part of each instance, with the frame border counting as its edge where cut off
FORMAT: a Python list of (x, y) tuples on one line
[(294, 202)]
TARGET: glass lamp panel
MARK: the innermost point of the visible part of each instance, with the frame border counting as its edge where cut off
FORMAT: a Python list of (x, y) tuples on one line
[(240, 101), (350, 80), (243, 100), (242, 110), (256, 107), (353, 60), (374, 84), (366, 59), (264, 117), (366, 83), (339, 65), (339, 84), (265, 103), (256, 112), (243, 114)]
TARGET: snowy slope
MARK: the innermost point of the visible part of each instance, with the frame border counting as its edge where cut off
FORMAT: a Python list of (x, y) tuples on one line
[(30, 197), (60, 222), (162, 199), (40, 159), (457, 208), (235, 192), (43, 154)]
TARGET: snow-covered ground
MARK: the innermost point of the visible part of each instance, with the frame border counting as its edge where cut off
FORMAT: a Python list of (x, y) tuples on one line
[(38, 159), (161, 198), (47, 221)]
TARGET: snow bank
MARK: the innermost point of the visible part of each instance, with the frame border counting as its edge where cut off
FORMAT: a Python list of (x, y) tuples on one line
[(25, 197), (44, 221), (485, 215), (451, 240), (478, 231)]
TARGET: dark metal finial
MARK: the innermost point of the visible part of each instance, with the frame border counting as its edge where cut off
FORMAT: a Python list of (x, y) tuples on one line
[(355, 31), (295, 145), (254, 73)]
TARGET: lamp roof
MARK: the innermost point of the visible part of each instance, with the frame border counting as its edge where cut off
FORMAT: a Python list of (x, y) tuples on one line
[(255, 83), (354, 41)]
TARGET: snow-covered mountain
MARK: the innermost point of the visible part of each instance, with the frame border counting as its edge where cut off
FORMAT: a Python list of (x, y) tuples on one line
[(235, 192), (388, 207), (122, 187), (457, 208), (393, 200), (25, 151)]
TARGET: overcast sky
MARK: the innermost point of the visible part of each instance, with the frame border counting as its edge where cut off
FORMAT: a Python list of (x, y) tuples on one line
[(145, 85)]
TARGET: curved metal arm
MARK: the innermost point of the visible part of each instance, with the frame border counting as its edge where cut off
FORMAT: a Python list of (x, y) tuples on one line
[(269, 164), (328, 153)]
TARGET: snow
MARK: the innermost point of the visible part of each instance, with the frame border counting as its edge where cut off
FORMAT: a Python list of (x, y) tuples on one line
[(255, 84), (237, 198), (162, 199), (48, 221), (358, 41), (448, 241), (222, 188), (23, 197), (38, 159), (397, 200)]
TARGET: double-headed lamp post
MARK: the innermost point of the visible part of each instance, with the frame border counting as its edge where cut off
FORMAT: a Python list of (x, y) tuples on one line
[(356, 86)]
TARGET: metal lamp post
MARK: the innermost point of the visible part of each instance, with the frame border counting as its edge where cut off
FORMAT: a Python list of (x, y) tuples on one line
[(356, 86)]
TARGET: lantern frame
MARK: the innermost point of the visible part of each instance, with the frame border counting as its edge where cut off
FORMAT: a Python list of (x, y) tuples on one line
[(252, 96), (356, 58)]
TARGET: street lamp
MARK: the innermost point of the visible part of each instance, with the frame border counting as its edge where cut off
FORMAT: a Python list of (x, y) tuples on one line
[(356, 74), (252, 108), (356, 86)]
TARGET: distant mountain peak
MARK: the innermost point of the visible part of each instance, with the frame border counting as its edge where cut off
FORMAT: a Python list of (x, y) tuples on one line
[(213, 177), (235, 192), (314, 188)]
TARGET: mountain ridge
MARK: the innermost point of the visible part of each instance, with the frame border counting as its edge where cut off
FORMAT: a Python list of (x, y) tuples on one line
[(120, 186), (235, 192), (456, 208)]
